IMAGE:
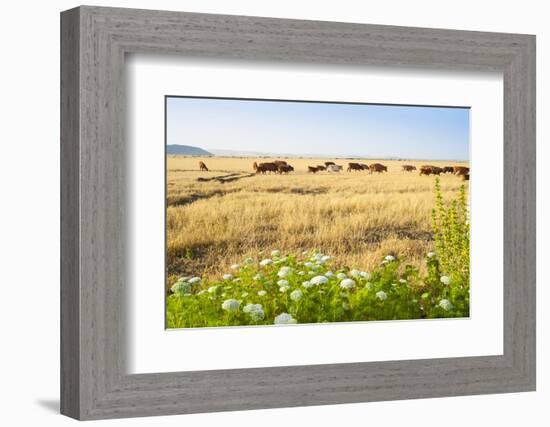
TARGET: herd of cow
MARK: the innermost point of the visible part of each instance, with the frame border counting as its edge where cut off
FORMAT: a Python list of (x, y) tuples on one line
[(461, 171), (281, 166), (277, 166)]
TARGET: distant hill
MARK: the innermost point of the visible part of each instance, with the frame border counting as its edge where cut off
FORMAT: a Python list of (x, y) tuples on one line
[(186, 150)]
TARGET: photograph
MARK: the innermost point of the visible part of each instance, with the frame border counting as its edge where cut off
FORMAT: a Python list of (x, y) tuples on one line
[(292, 212)]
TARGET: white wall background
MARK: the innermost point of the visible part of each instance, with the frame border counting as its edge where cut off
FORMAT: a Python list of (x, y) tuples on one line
[(29, 214)]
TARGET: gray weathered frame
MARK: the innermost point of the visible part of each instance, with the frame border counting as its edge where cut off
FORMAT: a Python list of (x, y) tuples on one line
[(94, 41)]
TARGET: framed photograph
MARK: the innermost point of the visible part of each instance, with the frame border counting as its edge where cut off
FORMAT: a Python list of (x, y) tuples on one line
[(346, 179), (261, 213)]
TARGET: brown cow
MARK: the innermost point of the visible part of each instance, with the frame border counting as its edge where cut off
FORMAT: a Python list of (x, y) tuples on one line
[(321, 168), (327, 164), (364, 166), (465, 177), (378, 167), (426, 170), (280, 162), (203, 167), (461, 170), (312, 169), (430, 170), (265, 167), (354, 167), (448, 169), (408, 168), (436, 170), (284, 169)]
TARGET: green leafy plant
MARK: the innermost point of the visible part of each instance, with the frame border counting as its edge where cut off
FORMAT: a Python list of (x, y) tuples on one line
[(451, 227), (290, 289)]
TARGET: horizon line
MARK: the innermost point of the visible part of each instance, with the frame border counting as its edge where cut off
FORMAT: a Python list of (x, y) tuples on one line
[(320, 157), (261, 154)]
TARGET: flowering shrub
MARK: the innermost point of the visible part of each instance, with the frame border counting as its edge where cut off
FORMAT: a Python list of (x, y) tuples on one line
[(260, 297), (451, 228)]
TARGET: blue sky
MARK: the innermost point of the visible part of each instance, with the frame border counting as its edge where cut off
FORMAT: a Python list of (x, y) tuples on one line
[(323, 129)]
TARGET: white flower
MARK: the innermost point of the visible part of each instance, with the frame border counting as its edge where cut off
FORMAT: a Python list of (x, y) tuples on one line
[(317, 257), (394, 285), (282, 282), (231, 305), (445, 304), (329, 274), (308, 264), (355, 273), (402, 281), (347, 284), (284, 288), (296, 295), (194, 280), (235, 267), (365, 275), (284, 319), (381, 295), (431, 254), (301, 273), (237, 279), (257, 315), (183, 279), (307, 284), (325, 258), (282, 273), (249, 261), (201, 292), (255, 311), (227, 276), (445, 280), (262, 293), (266, 261), (341, 276), (244, 294), (275, 252), (181, 287), (319, 280), (212, 289), (389, 258), (258, 277)]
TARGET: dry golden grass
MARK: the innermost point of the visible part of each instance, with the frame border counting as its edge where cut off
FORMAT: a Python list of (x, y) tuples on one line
[(355, 217)]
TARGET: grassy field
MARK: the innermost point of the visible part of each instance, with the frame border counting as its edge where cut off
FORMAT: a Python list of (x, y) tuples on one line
[(220, 217)]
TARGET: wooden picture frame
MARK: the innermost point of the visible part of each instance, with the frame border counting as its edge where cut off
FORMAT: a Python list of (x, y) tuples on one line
[(94, 382)]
